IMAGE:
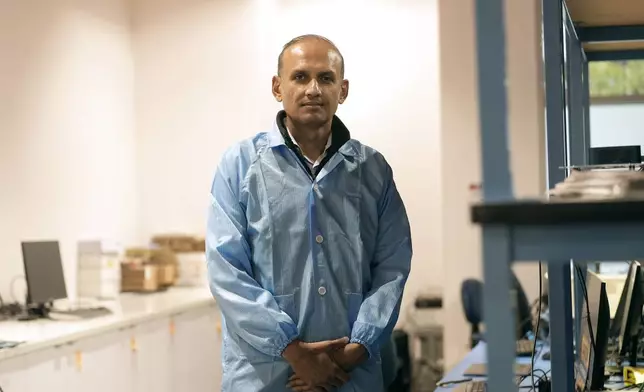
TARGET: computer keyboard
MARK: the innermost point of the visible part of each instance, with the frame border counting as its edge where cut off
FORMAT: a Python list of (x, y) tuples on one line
[(476, 386), (8, 344), (524, 347), (480, 370), (479, 385), (84, 313)]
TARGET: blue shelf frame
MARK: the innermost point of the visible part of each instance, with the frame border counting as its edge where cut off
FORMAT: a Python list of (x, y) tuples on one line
[(567, 142)]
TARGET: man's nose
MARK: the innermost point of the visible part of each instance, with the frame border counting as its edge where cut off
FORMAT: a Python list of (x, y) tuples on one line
[(313, 89)]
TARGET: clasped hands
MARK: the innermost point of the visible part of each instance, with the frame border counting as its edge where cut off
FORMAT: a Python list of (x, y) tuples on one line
[(322, 366)]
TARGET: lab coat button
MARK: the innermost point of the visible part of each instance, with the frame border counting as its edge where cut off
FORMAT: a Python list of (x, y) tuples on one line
[(319, 239), (322, 290)]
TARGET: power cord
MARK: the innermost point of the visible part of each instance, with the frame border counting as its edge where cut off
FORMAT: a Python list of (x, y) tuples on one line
[(543, 378), (11, 287)]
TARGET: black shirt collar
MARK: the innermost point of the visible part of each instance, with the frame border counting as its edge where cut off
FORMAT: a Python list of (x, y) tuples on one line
[(339, 136), (339, 132)]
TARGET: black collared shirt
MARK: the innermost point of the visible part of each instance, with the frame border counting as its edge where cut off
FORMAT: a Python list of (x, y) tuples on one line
[(339, 135)]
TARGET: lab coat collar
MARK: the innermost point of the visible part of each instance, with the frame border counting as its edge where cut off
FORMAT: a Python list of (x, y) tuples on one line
[(340, 135)]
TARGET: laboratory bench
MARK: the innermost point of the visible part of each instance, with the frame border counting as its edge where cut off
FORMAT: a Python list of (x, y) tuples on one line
[(163, 342), (479, 355)]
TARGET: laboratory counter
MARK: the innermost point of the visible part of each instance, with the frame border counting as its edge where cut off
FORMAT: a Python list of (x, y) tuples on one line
[(162, 341), (479, 355)]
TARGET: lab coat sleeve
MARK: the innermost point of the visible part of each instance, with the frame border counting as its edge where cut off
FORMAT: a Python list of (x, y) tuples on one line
[(390, 268), (250, 311)]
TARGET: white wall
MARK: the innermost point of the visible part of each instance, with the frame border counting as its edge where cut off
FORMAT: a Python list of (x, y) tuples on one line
[(114, 135), (66, 125), (460, 145), (617, 125), (203, 72)]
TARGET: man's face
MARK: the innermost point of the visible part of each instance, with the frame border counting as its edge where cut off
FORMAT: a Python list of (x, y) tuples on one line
[(310, 83)]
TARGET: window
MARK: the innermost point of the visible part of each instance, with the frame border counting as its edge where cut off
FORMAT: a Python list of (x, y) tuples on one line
[(617, 80)]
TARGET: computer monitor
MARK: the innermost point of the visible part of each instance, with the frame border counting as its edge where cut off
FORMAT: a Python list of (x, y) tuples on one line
[(43, 272), (595, 325), (615, 155), (628, 318)]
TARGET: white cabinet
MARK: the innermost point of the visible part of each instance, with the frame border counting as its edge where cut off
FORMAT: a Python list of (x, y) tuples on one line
[(167, 354), (14, 376), (102, 364), (197, 333), (152, 353)]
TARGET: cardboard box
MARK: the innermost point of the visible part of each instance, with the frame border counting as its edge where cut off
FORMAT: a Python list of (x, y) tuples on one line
[(139, 277), (154, 255), (164, 260), (180, 243), (167, 275)]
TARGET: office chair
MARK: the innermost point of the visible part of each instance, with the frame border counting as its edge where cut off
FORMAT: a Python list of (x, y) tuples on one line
[(472, 300), (402, 380)]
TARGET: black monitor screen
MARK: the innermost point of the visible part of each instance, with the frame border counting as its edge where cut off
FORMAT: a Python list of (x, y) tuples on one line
[(595, 323), (629, 311), (615, 155), (44, 271)]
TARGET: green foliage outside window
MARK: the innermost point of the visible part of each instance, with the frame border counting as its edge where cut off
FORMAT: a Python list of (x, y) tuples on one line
[(616, 78)]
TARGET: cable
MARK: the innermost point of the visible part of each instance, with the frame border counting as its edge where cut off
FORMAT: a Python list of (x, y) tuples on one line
[(544, 377), (536, 330), (625, 387), (13, 294)]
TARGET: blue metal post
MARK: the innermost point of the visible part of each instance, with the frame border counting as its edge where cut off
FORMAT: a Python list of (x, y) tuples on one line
[(578, 151), (616, 55), (499, 323), (490, 42), (561, 329), (576, 141), (585, 99), (497, 185), (611, 33)]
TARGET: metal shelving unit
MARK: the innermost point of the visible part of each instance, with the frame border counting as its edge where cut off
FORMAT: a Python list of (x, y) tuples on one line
[(574, 32)]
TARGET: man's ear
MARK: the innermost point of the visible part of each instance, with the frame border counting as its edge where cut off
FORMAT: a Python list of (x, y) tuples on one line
[(277, 90), (344, 92)]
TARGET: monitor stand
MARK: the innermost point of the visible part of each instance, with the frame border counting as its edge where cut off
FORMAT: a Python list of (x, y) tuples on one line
[(35, 312), (632, 357)]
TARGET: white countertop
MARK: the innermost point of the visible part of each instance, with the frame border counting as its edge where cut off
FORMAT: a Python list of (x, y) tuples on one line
[(129, 310)]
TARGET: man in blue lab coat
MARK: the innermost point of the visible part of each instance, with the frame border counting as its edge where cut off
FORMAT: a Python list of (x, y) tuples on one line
[(308, 242)]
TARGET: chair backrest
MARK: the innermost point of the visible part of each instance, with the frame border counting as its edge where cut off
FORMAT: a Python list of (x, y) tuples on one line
[(472, 301)]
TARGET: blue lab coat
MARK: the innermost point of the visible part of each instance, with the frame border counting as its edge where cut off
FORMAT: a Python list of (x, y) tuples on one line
[(293, 255)]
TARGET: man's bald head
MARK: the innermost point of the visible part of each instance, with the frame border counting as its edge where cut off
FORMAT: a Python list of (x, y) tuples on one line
[(307, 37)]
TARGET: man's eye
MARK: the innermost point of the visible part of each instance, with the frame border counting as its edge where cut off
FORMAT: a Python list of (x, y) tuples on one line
[(299, 77), (327, 79)]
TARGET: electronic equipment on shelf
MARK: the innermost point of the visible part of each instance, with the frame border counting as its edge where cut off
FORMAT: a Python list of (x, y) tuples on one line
[(524, 347)]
